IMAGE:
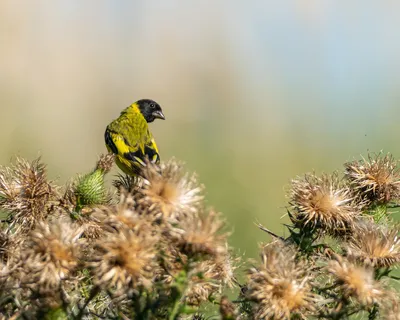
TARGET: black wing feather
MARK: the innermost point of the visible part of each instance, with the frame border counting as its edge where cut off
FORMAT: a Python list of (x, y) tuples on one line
[(110, 142)]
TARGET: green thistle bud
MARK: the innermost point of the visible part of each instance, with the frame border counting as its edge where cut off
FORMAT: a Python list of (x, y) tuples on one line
[(90, 189)]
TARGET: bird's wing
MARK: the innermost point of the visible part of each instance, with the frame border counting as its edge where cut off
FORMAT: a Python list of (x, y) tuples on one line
[(136, 152), (151, 150), (117, 143)]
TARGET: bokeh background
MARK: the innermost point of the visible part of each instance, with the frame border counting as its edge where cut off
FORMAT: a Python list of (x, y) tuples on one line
[(255, 92)]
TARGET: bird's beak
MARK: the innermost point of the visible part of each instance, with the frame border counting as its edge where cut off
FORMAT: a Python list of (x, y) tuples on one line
[(158, 114)]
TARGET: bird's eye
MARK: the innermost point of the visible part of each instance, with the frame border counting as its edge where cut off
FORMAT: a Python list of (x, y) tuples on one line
[(152, 105)]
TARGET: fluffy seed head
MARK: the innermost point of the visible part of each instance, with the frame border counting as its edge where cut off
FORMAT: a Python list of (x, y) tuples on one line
[(201, 234), (210, 277), (281, 287), (322, 203), (51, 255), (91, 227), (170, 190), (124, 260), (356, 281), (392, 311), (221, 268), (374, 245), (376, 179), (9, 188), (123, 216), (105, 162), (25, 192)]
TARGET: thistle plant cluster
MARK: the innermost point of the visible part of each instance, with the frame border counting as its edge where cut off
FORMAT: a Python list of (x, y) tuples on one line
[(149, 248), (341, 250), (146, 249)]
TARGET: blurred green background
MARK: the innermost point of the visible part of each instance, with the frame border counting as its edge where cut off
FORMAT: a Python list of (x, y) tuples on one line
[(255, 92)]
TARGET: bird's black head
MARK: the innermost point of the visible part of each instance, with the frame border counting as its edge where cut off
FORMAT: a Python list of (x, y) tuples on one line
[(150, 109)]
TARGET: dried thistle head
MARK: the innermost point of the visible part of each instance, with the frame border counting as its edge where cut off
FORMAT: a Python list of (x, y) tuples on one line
[(374, 245), (172, 261), (210, 277), (26, 193), (10, 244), (127, 184), (199, 291), (9, 188), (357, 282), (124, 216), (322, 203), (90, 226), (105, 162), (51, 255), (392, 310), (282, 286), (376, 179), (168, 189), (221, 268), (202, 234), (124, 260)]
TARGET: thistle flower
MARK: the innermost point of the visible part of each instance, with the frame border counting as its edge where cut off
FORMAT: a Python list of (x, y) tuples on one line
[(322, 203), (376, 178), (357, 282), (90, 226), (282, 286), (171, 261), (124, 260), (221, 268), (211, 277), (127, 183), (123, 216), (168, 189), (26, 193), (392, 311), (201, 234), (199, 291), (105, 162), (374, 245), (9, 188), (51, 255)]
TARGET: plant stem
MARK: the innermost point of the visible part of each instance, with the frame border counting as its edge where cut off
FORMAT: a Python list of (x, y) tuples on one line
[(175, 310), (93, 294), (373, 313), (179, 291)]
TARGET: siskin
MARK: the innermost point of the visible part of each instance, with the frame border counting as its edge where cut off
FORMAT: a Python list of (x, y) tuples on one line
[(129, 138)]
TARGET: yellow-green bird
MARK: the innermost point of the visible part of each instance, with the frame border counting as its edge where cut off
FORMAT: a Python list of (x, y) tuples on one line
[(129, 138)]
